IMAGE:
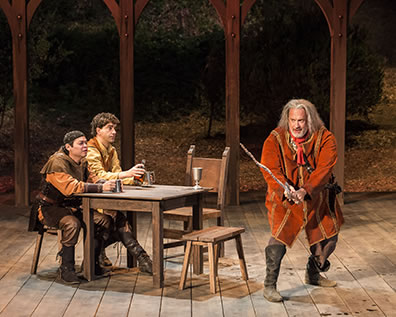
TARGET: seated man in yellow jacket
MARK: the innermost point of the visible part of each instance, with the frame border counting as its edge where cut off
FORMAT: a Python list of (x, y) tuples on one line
[(103, 161)]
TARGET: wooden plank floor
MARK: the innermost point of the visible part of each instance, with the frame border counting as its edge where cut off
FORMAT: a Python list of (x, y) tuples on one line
[(364, 265)]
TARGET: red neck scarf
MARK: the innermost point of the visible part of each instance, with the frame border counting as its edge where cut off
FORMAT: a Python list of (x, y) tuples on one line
[(298, 142)]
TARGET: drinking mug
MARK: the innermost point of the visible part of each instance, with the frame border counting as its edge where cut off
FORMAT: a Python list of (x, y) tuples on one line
[(148, 178)]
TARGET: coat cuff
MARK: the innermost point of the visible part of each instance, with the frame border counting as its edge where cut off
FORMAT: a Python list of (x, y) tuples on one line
[(93, 188)]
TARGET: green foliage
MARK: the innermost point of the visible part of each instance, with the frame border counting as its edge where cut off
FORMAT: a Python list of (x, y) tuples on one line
[(166, 75), (74, 58), (365, 74), (170, 54)]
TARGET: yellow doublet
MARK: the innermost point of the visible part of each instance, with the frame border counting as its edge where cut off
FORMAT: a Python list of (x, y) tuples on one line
[(104, 161)]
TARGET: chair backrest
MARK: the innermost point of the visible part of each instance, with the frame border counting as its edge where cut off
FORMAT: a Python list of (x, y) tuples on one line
[(214, 173)]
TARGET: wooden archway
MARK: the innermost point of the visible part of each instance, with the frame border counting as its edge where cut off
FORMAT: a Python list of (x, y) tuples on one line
[(338, 14), (126, 14)]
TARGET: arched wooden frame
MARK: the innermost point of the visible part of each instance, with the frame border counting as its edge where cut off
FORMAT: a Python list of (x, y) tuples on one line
[(126, 14), (338, 13)]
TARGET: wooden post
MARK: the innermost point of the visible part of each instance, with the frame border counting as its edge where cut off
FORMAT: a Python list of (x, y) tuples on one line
[(21, 126), (232, 16), (126, 14), (19, 15), (17, 19), (338, 14), (338, 84), (233, 40), (127, 34)]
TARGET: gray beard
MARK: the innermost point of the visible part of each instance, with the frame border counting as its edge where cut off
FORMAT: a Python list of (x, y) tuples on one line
[(301, 134)]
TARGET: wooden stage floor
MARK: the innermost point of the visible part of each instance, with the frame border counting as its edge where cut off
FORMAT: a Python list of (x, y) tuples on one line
[(364, 265)]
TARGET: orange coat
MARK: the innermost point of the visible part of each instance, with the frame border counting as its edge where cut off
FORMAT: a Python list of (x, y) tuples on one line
[(287, 219)]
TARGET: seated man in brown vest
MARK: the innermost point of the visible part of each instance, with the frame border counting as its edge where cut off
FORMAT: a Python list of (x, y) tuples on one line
[(103, 161), (66, 173)]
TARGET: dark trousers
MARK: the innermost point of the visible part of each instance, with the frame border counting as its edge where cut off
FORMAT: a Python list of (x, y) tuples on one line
[(322, 249), (71, 224)]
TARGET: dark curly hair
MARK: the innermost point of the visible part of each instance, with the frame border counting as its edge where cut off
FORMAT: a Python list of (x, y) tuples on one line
[(101, 119)]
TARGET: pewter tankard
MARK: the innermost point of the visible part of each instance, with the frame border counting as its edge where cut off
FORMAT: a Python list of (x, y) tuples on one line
[(148, 178)]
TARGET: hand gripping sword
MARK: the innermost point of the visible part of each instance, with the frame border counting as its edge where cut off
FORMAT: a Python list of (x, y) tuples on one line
[(284, 186)]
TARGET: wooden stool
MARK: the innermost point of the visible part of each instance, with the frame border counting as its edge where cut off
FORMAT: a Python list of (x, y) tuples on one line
[(39, 241), (211, 237)]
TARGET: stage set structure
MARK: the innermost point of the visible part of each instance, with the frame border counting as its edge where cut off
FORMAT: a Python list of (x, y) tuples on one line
[(126, 13)]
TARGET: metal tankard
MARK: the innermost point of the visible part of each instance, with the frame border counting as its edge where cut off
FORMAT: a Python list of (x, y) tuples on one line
[(148, 178)]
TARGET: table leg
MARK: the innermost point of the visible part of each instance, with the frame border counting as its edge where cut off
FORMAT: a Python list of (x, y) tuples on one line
[(197, 225), (131, 217), (88, 241), (158, 245)]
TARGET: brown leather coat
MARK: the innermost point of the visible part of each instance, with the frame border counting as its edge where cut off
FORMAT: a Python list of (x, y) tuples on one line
[(320, 220)]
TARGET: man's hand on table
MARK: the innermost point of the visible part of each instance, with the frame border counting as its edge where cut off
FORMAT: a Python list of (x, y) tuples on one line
[(109, 185)]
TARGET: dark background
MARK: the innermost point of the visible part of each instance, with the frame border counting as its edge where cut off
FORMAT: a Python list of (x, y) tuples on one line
[(179, 67)]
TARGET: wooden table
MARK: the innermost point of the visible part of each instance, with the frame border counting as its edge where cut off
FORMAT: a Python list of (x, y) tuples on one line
[(155, 199)]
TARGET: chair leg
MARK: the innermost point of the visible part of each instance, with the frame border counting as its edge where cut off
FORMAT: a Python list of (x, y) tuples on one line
[(186, 263), (59, 232), (220, 223), (242, 262), (217, 249), (212, 267), (188, 227), (36, 255)]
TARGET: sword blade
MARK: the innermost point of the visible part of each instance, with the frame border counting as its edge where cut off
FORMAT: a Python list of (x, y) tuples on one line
[(284, 186)]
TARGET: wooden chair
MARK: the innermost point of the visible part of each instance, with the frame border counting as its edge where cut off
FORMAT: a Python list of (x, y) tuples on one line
[(212, 237), (39, 241), (214, 175)]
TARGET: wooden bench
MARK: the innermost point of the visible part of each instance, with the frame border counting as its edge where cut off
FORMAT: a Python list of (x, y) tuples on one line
[(211, 237)]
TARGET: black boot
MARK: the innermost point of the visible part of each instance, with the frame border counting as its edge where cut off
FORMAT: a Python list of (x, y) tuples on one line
[(67, 272), (103, 259), (312, 274), (273, 255), (135, 249), (99, 270)]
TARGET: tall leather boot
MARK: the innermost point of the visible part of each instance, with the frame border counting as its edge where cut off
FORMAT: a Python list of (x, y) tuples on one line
[(312, 274), (103, 259), (99, 270), (273, 255), (67, 272), (135, 249)]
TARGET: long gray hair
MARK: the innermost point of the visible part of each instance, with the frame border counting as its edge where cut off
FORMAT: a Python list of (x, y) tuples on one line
[(313, 118)]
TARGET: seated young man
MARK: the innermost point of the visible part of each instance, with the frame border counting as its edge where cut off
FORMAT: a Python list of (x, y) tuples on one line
[(103, 161), (66, 173)]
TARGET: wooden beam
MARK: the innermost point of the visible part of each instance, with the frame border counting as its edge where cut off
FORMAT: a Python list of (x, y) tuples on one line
[(21, 126), (246, 6), (31, 9), (338, 83), (114, 8), (337, 16), (19, 15), (139, 6), (327, 9), (5, 5), (233, 40), (221, 11), (353, 7), (127, 35)]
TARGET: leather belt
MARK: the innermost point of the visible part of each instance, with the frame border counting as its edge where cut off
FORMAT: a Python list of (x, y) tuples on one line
[(46, 199)]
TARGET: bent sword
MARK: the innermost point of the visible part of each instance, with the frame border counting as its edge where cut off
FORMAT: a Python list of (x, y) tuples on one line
[(285, 185)]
